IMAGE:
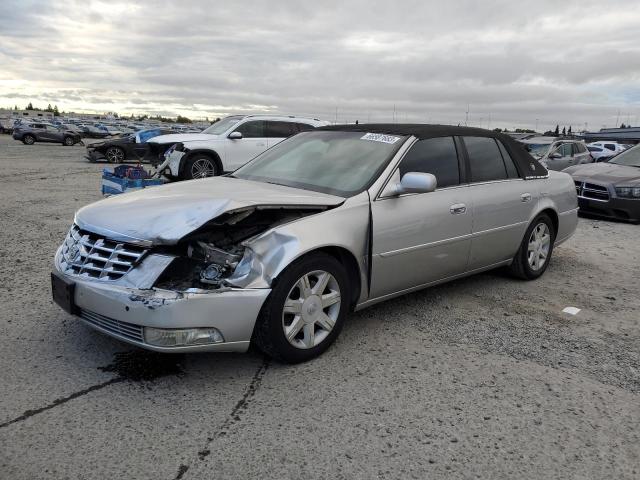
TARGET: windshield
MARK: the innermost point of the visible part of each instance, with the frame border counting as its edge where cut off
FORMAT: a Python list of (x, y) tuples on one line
[(338, 163), (537, 150), (223, 125), (630, 158)]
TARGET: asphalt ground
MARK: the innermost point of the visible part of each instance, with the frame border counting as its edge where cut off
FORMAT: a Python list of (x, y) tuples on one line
[(484, 377)]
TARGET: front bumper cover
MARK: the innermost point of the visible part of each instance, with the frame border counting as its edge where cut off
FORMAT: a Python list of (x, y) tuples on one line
[(617, 208), (233, 311)]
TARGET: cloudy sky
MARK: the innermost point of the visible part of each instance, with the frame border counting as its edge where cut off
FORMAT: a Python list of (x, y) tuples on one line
[(515, 64)]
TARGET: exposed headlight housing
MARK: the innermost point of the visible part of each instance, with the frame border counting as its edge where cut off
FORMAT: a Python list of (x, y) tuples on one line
[(182, 337), (628, 192)]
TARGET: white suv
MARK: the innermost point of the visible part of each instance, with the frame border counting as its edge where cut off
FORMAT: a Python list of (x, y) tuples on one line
[(228, 144)]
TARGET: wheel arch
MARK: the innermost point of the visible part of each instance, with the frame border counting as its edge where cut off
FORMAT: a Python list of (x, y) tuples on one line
[(209, 153)]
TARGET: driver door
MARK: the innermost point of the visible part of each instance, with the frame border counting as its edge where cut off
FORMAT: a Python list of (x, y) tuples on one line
[(423, 237), (565, 158), (253, 142)]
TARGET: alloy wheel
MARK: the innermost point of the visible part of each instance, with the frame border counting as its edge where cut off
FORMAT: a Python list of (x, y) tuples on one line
[(115, 155), (29, 140), (539, 245), (311, 309), (202, 168)]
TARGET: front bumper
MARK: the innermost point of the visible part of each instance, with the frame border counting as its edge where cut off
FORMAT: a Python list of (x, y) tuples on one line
[(175, 158), (94, 155), (123, 312), (617, 208)]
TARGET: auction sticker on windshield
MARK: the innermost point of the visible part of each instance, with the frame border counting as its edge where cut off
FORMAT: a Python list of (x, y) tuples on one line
[(379, 137)]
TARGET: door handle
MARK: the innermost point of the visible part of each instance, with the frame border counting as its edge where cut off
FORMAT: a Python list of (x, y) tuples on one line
[(458, 208), (525, 197)]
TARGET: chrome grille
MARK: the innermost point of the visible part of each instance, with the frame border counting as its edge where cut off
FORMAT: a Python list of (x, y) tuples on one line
[(110, 325), (592, 191), (89, 255)]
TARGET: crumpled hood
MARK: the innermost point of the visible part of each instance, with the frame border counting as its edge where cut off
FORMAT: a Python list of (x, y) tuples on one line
[(605, 172), (182, 137), (163, 215)]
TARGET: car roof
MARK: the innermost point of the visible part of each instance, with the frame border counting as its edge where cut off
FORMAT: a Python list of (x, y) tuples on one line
[(528, 166)]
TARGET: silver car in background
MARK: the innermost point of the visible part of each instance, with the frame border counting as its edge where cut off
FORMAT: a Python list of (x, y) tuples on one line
[(556, 154), (326, 222)]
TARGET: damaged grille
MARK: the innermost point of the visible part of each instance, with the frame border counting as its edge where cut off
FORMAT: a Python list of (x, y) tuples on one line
[(124, 329), (89, 255)]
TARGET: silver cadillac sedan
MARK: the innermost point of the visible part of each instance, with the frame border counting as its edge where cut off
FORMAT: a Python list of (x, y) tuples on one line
[(326, 222)]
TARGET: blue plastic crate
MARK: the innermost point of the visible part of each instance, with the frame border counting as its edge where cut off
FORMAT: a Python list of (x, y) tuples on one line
[(114, 185)]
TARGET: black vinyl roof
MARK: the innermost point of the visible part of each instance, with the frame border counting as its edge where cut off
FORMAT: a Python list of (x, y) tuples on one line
[(526, 164)]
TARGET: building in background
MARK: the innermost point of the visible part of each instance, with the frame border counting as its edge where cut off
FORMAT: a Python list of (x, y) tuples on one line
[(620, 135)]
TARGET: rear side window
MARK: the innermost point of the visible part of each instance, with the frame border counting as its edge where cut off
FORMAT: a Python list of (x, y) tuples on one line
[(610, 146), (253, 129), (485, 159), (512, 171), (594, 149), (281, 129), (437, 156), (578, 148)]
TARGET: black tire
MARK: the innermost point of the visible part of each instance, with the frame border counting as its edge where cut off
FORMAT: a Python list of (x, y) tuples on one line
[(199, 165), (269, 335), (68, 141), (521, 266), (28, 139), (115, 155)]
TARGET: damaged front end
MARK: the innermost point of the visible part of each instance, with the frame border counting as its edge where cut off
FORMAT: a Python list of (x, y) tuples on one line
[(218, 255)]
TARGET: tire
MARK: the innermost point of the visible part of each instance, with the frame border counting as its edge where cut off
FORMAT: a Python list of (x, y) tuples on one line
[(297, 337), (68, 141), (199, 166), (535, 251), (28, 139), (114, 155)]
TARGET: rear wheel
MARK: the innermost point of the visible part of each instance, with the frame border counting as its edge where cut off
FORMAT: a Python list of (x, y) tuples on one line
[(28, 139), (114, 155), (536, 248), (200, 166), (305, 310), (68, 141)]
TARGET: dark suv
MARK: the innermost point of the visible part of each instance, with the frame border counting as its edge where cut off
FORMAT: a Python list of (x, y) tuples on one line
[(45, 132)]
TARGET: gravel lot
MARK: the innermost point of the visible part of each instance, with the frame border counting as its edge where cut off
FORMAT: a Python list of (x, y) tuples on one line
[(481, 378)]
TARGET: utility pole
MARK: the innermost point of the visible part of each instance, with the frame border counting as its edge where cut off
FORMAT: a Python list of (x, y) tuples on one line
[(618, 119), (336, 121), (466, 118), (537, 124)]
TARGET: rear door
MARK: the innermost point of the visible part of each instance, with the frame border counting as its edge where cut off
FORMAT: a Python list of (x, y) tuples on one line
[(580, 154), (502, 202), (253, 142), (424, 237)]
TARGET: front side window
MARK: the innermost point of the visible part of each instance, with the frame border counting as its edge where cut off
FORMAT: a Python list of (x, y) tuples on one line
[(252, 129), (339, 163), (565, 150), (437, 156), (485, 159)]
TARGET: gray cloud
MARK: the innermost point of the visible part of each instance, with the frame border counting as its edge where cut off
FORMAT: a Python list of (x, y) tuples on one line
[(513, 65)]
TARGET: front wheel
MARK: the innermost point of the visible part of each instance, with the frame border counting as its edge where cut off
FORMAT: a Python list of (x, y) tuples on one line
[(28, 139), (536, 248), (68, 141), (114, 155), (200, 166), (305, 310)]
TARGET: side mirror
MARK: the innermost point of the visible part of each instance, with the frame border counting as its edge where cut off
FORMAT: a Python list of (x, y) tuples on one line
[(555, 155), (235, 135), (416, 182)]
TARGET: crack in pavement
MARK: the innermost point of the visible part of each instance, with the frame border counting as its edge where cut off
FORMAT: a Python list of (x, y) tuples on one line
[(60, 401), (235, 415)]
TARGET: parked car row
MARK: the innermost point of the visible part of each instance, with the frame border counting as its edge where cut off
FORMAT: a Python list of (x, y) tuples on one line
[(30, 133)]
